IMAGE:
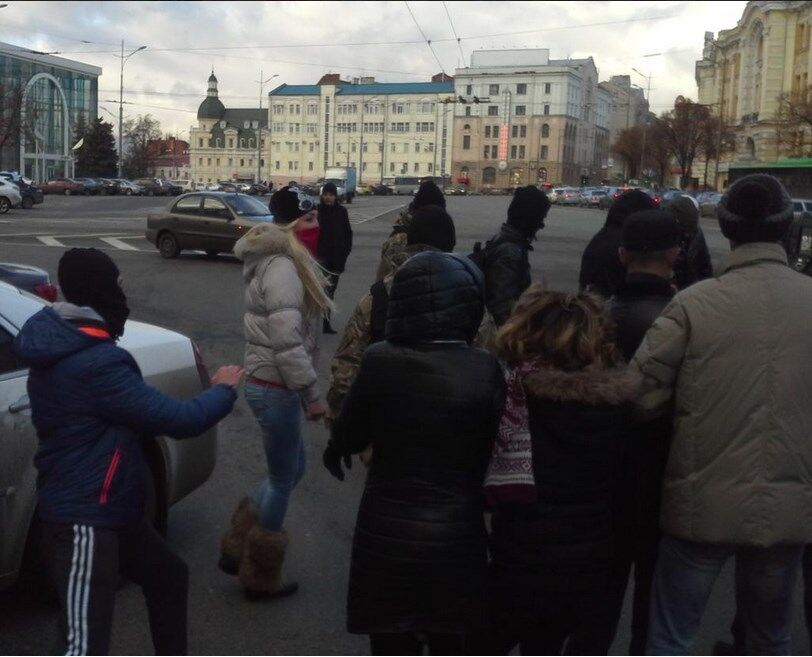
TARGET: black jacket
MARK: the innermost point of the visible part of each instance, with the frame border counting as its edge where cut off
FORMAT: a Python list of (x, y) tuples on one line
[(601, 269), (430, 410), (564, 542), (335, 239), (507, 272), (694, 263), (639, 300)]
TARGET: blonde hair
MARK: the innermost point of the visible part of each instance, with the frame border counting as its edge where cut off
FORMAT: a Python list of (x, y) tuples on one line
[(562, 331), (311, 273)]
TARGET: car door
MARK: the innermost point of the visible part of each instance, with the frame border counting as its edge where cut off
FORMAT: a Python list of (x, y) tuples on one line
[(186, 221), (18, 443), (219, 225)]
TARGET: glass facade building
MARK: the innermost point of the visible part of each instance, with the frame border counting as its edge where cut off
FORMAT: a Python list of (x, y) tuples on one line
[(42, 98)]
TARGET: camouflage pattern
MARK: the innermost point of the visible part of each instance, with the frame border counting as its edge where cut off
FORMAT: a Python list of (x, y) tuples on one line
[(393, 247)]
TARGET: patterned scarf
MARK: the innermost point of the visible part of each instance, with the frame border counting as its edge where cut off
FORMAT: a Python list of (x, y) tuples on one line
[(510, 472)]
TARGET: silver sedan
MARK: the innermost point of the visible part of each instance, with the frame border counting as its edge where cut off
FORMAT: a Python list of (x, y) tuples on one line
[(169, 361)]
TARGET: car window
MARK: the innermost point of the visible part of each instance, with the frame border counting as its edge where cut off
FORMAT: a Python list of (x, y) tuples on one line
[(797, 206), (245, 206), (187, 205), (214, 207), (8, 360)]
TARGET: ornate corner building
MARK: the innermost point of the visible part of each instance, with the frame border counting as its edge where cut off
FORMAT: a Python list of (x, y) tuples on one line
[(749, 75)]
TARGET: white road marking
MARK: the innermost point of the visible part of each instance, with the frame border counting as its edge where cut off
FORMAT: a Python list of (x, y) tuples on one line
[(51, 241), (377, 216), (114, 241)]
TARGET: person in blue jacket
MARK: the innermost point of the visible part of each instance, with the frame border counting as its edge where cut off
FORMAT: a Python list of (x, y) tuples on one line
[(93, 412)]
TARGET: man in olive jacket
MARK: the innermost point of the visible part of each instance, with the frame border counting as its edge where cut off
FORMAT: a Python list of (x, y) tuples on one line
[(731, 354)]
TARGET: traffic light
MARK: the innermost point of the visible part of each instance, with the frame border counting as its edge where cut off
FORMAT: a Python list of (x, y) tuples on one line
[(584, 180)]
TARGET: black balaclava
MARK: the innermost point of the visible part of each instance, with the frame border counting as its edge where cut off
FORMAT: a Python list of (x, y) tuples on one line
[(89, 277), (427, 194), (527, 210), (432, 226)]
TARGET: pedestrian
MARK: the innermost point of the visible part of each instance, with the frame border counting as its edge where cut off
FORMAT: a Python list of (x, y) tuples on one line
[(730, 355), (93, 412), (335, 241), (601, 269), (650, 247), (553, 475), (285, 302), (392, 252), (430, 229), (505, 258), (694, 263), (429, 404)]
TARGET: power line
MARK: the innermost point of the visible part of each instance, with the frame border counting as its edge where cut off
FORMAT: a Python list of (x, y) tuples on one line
[(454, 32), (160, 107), (428, 41)]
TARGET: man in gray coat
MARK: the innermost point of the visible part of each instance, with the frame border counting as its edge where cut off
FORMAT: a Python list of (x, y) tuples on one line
[(731, 356)]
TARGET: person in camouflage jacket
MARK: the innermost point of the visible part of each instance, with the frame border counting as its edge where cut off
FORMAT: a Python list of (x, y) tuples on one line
[(391, 252)]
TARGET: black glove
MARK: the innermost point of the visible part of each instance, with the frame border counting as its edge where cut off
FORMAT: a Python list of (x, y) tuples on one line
[(332, 461)]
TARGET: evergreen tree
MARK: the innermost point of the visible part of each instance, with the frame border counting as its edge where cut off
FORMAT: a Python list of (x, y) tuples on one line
[(97, 156)]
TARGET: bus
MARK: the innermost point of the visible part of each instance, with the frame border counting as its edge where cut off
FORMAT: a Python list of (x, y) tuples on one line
[(406, 185), (794, 174)]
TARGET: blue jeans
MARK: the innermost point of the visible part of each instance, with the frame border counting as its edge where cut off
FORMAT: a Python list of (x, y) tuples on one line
[(279, 414), (683, 580)]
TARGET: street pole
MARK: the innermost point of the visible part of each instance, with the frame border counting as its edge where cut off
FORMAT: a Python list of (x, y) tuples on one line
[(721, 122), (121, 114), (262, 82)]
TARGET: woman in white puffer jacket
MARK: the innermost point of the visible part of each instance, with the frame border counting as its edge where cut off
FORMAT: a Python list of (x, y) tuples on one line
[(285, 304)]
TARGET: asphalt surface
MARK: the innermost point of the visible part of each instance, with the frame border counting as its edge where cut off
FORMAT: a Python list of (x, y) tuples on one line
[(203, 298)]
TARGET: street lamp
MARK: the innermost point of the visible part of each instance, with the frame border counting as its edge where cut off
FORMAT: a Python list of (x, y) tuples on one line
[(124, 58), (645, 123), (262, 82)]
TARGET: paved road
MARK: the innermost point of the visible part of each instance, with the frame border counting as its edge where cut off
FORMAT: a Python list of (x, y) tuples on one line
[(203, 298)]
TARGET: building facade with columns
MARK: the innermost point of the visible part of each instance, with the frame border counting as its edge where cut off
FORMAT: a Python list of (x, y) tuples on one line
[(227, 144), (384, 130), (743, 73), (522, 118)]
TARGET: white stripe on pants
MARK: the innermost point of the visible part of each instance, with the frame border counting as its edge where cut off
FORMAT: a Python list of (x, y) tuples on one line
[(79, 589)]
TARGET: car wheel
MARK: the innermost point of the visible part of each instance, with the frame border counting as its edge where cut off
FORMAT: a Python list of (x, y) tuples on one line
[(168, 246), (212, 254), (150, 193), (4, 205), (128, 192), (67, 192), (28, 203)]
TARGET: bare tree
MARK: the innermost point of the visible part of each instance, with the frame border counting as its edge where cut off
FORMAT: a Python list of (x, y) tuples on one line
[(11, 105), (793, 120), (138, 133), (683, 129), (717, 138), (629, 146), (658, 151)]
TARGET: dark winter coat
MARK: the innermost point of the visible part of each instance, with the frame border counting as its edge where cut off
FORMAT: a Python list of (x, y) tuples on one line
[(93, 412), (694, 263), (601, 269), (565, 541), (429, 405), (507, 272), (639, 300), (335, 239)]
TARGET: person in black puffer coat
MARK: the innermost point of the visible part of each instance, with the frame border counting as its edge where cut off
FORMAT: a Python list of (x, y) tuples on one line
[(506, 257), (335, 240), (601, 269), (694, 263), (429, 404), (552, 549)]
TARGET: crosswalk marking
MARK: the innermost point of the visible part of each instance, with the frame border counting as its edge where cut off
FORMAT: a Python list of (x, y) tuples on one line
[(119, 244), (50, 241)]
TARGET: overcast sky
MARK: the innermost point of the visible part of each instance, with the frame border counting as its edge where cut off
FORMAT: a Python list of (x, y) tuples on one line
[(294, 40)]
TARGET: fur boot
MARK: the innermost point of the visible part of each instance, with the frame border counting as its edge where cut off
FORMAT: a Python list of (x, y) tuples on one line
[(261, 566), (232, 544)]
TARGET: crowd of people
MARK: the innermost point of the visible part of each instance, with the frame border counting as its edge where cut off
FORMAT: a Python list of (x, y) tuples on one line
[(526, 449)]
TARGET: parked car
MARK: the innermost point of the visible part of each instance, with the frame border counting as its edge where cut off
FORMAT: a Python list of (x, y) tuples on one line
[(109, 186), (92, 186), (226, 186), (10, 196), (169, 188), (31, 279), (66, 186), (151, 186), (457, 190), (801, 205), (213, 187), (185, 186), (569, 196), (671, 194), (199, 187), (708, 203), (128, 187), (592, 199), (168, 360), (653, 193), (382, 190), (258, 189), (30, 194), (207, 221)]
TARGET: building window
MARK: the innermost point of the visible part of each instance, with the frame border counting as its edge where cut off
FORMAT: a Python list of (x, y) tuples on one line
[(546, 110), (394, 148), (466, 142), (200, 143), (488, 175), (278, 109), (312, 110), (521, 89), (522, 131), (338, 148), (208, 161), (312, 147), (493, 89), (231, 162), (487, 132), (310, 166), (231, 142), (513, 152), (416, 167), (521, 152), (467, 110), (493, 110), (545, 152), (277, 165), (262, 163), (417, 147), (406, 147), (200, 161), (496, 132), (242, 161), (217, 162), (430, 167), (486, 153), (242, 143), (545, 130), (515, 131), (521, 110), (469, 89), (547, 87), (391, 166)]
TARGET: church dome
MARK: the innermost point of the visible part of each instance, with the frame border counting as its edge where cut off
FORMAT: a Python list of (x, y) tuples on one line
[(211, 108)]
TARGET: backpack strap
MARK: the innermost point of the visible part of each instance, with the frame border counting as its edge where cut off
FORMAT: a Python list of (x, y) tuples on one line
[(380, 306)]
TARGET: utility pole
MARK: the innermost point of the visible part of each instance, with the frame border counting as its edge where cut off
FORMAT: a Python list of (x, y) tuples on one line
[(121, 107), (721, 123), (262, 82)]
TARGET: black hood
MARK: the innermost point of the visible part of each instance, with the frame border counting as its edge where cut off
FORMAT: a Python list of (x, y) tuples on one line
[(628, 203), (435, 296)]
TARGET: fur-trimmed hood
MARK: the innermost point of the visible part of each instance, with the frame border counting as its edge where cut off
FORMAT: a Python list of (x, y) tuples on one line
[(613, 386), (260, 242)]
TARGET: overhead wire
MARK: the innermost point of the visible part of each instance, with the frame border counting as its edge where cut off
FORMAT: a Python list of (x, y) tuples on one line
[(423, 34), (454, 32)]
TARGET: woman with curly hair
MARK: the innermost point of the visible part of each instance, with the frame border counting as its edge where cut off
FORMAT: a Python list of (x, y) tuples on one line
[(553, 475)]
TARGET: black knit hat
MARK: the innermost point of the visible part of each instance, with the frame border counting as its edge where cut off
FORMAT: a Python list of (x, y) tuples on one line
[(756, 208), (651, 231), (428, 194), (285, 206), (329, 188), (632, 201), (527, 210), (89, 277), (431, 225), (686, 211)]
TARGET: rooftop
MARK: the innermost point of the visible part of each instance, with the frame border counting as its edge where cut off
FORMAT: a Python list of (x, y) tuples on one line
[(383, 88), (48, 60)]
